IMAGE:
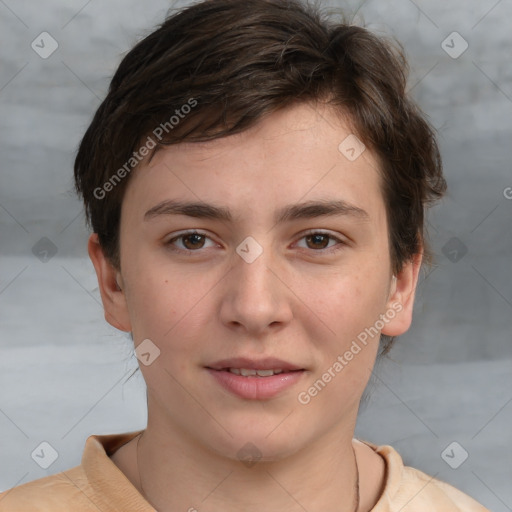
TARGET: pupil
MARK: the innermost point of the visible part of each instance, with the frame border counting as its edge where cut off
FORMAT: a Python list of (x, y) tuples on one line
[(319, 238), (196, 239)]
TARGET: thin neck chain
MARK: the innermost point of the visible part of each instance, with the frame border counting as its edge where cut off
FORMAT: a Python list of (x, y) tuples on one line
[(357, 497)]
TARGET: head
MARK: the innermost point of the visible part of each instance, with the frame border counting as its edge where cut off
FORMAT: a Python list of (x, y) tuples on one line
[(260, 119)]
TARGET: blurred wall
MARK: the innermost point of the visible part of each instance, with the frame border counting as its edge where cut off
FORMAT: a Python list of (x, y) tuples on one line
[(64, 370)]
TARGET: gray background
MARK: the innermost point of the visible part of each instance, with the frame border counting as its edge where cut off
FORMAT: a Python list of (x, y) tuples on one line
[(64, 370)]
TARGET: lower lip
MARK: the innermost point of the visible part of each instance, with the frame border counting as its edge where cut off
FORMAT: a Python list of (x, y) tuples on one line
[(253, 387)]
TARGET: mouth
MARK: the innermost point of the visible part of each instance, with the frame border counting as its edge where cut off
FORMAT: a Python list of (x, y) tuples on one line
[(255, 379), (247, 366), (250, 372)]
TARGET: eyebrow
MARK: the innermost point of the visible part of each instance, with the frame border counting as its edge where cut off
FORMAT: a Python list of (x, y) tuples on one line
[(306, 210)]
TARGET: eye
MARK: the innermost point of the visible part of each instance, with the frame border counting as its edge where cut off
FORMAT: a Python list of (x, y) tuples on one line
[(190, 241), (319, 241)]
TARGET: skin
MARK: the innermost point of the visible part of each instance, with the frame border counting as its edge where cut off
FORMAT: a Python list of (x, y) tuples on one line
[(297, 301)]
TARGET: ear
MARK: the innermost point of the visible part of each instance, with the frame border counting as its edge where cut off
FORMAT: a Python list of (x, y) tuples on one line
[(401, 297), (111, 287)]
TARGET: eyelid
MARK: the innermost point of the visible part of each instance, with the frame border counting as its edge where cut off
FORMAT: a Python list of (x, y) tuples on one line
[(183, 232), (341, 241)]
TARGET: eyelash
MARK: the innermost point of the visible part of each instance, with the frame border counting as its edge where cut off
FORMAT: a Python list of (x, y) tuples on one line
[(340, 245)]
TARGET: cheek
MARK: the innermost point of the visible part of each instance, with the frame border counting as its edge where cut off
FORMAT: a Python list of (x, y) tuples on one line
[(347, 355), (349, 347), (167, 306), (347, 305), (170, 314)]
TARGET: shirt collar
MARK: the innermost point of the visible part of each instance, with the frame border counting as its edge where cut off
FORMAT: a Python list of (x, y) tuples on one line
[(113, 491), (111, 488)]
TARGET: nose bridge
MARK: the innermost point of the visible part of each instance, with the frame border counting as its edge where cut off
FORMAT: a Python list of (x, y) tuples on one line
[(254, 297), (253, 281)]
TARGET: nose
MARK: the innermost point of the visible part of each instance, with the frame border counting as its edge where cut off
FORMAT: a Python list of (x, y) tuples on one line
[(255, 297)]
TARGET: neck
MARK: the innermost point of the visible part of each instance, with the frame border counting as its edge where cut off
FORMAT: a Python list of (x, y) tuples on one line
[(172, 477)]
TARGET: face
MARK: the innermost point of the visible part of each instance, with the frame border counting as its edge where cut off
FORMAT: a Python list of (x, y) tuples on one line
[(267, 245)]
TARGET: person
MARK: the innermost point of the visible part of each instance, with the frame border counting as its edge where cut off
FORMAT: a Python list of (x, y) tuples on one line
[(256, 181)]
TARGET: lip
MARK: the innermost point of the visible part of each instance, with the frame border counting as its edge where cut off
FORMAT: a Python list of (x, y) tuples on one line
[(255, 387), (268, 363)]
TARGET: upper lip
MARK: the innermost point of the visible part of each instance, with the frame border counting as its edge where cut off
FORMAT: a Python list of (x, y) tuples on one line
[(268, 363)]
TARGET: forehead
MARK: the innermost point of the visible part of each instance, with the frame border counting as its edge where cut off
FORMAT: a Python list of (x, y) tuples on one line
[(301, 153)]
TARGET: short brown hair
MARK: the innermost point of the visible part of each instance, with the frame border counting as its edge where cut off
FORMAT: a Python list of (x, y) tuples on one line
[(231, 62)]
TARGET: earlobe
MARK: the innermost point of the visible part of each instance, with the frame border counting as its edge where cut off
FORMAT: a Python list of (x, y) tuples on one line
[(110, 285), (401, 297)]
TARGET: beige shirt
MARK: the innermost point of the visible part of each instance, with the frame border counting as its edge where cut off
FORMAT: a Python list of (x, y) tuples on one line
[(97, 485)]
